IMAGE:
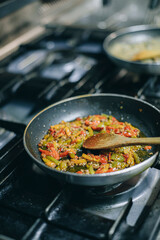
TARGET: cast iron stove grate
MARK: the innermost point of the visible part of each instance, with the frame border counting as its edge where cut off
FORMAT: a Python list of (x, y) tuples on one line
[(35, 206)]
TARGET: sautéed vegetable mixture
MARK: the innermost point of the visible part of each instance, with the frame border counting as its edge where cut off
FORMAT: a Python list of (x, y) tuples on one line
[(61, 148)]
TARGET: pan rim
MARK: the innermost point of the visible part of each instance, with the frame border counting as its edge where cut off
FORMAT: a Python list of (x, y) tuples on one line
[(112, 36), (116, 173)]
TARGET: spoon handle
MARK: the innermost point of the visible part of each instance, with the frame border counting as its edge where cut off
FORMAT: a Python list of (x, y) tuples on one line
[(146, 54), (149, 140)]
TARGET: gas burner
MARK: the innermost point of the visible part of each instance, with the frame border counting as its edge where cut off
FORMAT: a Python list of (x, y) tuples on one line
[(151, 89), (64, 57), (75, 68), (103, 192), (90, 47), (26, 62), (121, 188), (57, 44), (109, 204)]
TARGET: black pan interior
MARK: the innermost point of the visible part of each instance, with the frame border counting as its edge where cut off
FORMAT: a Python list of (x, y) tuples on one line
[(136, 112)]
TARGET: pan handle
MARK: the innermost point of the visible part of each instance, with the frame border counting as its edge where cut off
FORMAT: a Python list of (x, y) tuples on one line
[(12, 126)]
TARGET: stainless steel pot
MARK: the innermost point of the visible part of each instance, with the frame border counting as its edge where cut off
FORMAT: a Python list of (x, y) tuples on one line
[(132, 35)]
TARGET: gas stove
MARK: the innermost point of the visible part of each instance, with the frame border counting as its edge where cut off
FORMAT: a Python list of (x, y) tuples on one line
[(66, 62)]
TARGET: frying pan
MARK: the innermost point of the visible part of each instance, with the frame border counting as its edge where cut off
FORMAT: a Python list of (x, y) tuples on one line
[(130, 35), (139, 113)]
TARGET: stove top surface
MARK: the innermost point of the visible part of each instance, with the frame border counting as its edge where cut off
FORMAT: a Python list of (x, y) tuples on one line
[(63, 63)]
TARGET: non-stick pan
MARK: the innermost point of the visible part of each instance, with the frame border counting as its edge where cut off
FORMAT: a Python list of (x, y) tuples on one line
[(132, 35), (139, 113)]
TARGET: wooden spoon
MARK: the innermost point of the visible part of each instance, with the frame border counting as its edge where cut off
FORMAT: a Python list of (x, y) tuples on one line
[(146, 54), (105, 140)]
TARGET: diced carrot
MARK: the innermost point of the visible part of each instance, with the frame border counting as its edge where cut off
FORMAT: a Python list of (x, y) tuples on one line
[(127, 134), (97, 157), (55, 154), (74, 141), (87, 122), (49, 145), (136, 130), (109, 127), (52, 131), (103, 160), (120, 123), (111, 170), (63, 154), (100, 116), (147, 147), (60, 133), (83, 132), (95, 128), (79, 172), (117, 130), (126, 156), (114, 119), (127, 128), (46, 152), (103, 168)]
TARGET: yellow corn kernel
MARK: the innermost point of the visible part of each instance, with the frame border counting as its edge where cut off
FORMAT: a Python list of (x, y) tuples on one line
[(81, 161), (67, 131), (58, 126), (89, 158), (130, 159)]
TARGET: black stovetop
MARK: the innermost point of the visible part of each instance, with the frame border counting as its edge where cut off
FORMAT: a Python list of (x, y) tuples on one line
[(67, 62)]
